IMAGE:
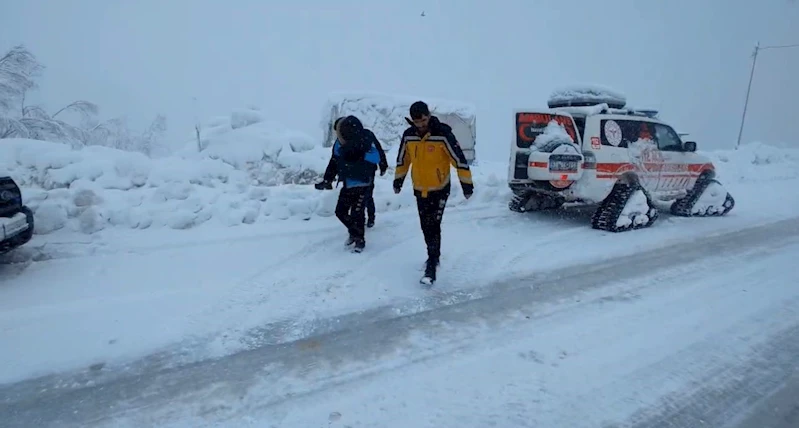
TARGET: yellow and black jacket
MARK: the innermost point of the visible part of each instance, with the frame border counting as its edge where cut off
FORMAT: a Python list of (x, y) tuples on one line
[(431, 157)]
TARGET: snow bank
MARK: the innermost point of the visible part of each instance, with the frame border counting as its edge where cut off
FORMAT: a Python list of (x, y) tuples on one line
[(236, 179), (269, 153), (90, 189), (385, 114), (755, 162)]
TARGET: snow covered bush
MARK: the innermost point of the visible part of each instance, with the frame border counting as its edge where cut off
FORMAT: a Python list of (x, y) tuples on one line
[(18, 70)]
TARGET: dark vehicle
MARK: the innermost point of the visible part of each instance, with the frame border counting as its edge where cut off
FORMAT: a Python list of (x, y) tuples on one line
[(16, 220)]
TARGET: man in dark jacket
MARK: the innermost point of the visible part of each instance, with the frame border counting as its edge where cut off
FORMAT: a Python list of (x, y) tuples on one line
[(354, 160), (370, 201)]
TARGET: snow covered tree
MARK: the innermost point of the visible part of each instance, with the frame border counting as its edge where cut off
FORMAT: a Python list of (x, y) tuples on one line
[(151, 137), (18, 70)]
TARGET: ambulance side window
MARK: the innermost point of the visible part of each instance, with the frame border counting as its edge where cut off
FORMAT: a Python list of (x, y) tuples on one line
[(623, 132), (668, 140)]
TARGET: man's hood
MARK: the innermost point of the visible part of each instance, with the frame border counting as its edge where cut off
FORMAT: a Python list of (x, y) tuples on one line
[(350, 128)]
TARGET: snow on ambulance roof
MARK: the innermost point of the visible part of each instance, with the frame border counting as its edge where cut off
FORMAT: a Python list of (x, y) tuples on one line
[(586, 95)]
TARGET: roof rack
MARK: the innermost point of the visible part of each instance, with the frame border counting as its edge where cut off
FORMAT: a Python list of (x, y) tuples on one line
[(648, 113), (587, 100), (603, 108)]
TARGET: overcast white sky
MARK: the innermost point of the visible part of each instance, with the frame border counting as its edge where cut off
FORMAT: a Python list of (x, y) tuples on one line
[(688, 58)]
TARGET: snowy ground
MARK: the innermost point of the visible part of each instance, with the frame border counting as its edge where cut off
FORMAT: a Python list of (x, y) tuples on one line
[(99, 309), (680, 336), (213, 295)]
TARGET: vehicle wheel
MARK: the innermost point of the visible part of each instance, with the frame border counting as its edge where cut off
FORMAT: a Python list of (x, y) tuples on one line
[(708, 198), (628, 207), (534, 202), (517, 202)]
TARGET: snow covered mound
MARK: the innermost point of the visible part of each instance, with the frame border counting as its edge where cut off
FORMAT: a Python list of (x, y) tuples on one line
[(385, 115), (755, 162), (237, 179), (583, 95), (268, 152), (90, 189)]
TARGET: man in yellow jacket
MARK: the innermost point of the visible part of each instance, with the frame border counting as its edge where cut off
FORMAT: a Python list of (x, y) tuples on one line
[(431, 147)]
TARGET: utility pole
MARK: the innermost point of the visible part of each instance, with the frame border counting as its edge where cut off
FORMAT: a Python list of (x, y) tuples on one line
[(758, 48), (748, 90)]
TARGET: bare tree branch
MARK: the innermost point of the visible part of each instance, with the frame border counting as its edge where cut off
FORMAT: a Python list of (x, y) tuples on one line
[(18, 67), (35, 112), (85, 108), (43, 129), (11, 128)]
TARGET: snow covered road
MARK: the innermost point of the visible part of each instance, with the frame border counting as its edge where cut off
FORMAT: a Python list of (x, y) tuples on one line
[(179, 297), (672, 334)]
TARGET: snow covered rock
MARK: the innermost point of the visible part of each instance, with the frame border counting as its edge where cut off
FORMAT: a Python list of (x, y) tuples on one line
[(259, 150), (385, 115), (245, 117)]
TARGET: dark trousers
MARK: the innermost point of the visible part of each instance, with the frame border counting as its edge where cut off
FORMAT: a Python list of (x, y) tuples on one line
[(370, 203), (350, 210), (431, 211)]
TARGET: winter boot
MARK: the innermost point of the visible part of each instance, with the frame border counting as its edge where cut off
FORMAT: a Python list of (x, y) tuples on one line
[(359, 245), (350, 241), (429, 277)]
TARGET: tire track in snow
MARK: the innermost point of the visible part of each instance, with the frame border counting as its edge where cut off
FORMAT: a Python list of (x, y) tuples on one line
[(708, 358), (364, 336), (338, 269), (67, 250), (721, 395)]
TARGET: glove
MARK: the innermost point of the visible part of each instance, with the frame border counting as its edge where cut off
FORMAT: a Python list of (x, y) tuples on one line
[(397, 185), (383, 170), (468, 190), (322, 185)]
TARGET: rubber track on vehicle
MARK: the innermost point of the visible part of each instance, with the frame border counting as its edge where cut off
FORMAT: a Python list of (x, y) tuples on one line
[(682, 207), (609, 211)]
